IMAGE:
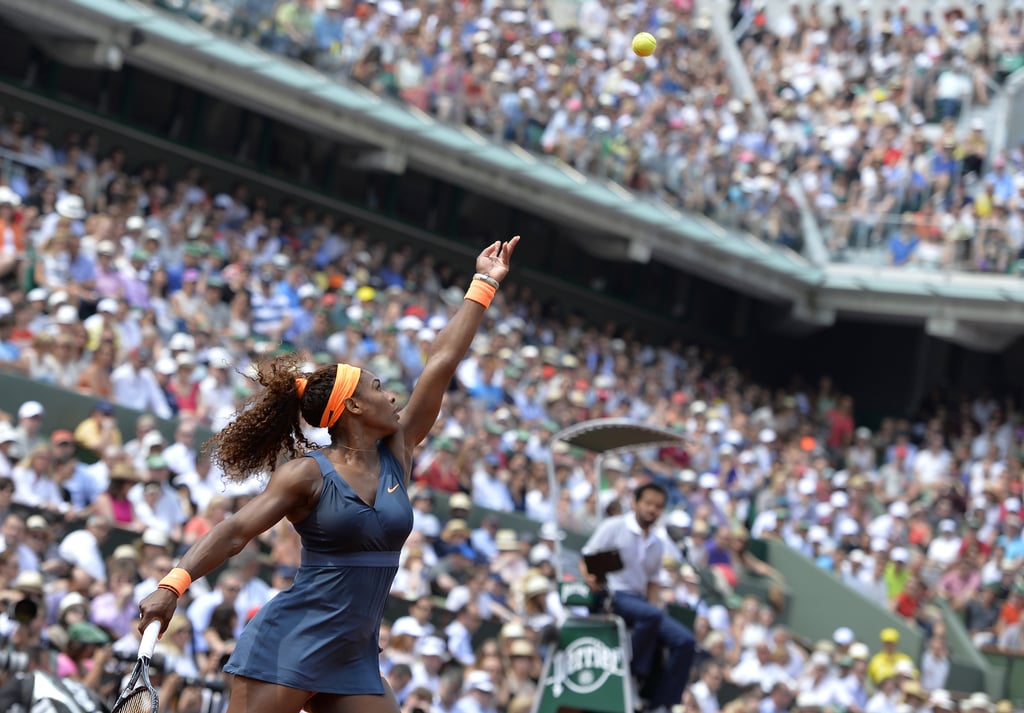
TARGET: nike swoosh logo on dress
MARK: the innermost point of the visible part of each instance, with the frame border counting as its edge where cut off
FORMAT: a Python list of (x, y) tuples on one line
[(393, 488)]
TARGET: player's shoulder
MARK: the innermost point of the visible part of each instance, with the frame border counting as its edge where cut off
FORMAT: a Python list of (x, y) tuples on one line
[(298, 471)]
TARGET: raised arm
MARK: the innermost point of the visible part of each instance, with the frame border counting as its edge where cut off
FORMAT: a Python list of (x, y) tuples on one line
[(294, 488), (450, 346)]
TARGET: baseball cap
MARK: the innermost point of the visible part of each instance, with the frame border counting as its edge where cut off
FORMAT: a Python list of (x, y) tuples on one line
[(521, 647), (86, 633), (151, 439), (36, 522), (551, 531), (108, 305), (459, 501), (480, 681), (889, 635), (71, 599), (155, 538), (407, 626), (66, 314), (898, 554), (30, 409), (432, 646), (62, 436), (125, 552), (843, 636)]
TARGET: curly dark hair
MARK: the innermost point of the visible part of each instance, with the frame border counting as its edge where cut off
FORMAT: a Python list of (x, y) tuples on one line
[(268, 425)]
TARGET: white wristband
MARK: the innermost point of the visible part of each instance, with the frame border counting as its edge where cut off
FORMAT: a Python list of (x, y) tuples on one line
[(488, 279)]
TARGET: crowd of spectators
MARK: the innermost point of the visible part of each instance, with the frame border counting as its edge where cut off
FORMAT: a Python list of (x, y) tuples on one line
[(157, 293), (863, 110), (872, 114), (559, 79)]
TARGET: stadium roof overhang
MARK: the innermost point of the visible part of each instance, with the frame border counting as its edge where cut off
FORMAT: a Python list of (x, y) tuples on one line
[(983, 312)]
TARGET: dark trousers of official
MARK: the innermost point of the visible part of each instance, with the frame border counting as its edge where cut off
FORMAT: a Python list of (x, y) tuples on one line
[(651, 629)]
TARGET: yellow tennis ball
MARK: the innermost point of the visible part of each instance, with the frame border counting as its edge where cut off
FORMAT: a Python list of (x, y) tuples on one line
[(644, 44)]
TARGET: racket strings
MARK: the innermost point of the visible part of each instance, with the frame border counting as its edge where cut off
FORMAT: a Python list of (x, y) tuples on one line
[(140, 700)]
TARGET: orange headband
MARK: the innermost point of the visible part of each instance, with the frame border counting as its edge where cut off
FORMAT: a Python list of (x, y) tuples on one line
[(344, 386)]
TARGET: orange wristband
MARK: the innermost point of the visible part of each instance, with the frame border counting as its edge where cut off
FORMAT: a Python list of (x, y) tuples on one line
[(177, 581), (481, 293)]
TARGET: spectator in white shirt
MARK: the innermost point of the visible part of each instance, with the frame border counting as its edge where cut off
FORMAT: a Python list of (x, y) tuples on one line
[(81, 548), (135, 386), (757, 666), (34, 485), (945, 548), (164, 510), (181, 455), (460, 634), (705, 690)]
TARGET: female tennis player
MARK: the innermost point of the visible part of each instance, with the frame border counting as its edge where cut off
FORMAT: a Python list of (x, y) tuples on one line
[(314, 646)]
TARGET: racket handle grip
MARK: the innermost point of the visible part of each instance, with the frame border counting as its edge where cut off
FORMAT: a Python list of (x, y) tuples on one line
[(149, 637)]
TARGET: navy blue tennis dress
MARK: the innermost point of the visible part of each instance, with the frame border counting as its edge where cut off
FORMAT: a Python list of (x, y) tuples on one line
[(320, 634)]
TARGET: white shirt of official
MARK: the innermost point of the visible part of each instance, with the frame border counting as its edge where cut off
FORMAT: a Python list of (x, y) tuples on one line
[(640, 553)]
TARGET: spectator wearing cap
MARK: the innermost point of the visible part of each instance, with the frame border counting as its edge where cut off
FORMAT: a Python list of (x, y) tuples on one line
[(39, 539), (479, 695), (115, 608), (8, 449), (99, 429), (86, 655), (406, 632), (73, 475), (883, 665), (945, 549), (29, 431), (897, 574), (135, 385), (183, 387), (426, 669), (114, 503), (81, 548)]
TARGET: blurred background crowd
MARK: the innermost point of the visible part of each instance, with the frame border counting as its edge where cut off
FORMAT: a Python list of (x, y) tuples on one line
[(876, 117), (149, 291)]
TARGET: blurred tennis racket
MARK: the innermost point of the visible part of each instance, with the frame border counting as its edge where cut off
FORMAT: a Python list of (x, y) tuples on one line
[(139, 696)]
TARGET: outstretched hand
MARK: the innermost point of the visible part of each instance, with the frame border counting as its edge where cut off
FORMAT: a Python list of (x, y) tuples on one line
[(494, 260)]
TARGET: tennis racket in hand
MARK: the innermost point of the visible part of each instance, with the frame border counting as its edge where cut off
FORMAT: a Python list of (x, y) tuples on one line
[(139, 696)]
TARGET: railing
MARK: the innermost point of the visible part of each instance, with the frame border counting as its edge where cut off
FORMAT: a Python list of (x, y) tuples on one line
[(927, 242)]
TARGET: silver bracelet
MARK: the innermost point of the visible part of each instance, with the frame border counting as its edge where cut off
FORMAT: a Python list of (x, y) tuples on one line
[(487, 278)]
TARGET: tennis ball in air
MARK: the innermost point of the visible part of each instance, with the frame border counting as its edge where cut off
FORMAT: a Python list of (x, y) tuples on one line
[(644, 44)]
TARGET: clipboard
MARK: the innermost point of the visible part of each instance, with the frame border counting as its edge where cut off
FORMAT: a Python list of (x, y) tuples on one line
[(601, 563)]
